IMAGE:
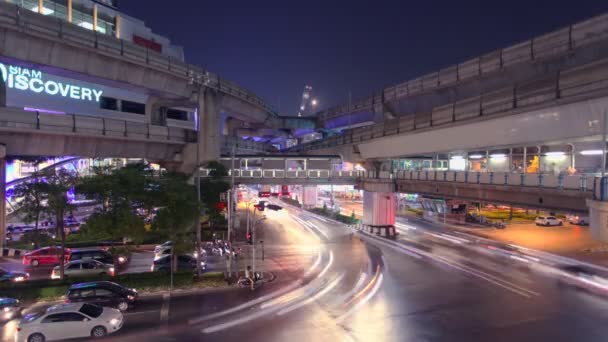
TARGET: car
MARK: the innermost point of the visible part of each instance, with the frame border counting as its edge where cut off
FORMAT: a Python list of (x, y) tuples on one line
[(105, 293), (13, 276), (162, 252), (45, 256), (578, 220), (83, 268), (163, 246), (548, 221), (92, 254), (583, 277), (184, 263), (9, 309), (66, 321)]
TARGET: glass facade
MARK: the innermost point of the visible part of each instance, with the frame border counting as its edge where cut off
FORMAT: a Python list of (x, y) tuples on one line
[(82, 13)]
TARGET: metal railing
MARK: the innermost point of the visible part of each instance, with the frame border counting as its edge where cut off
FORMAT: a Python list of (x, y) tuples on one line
[(281, 173), (568, 85), (245, 145), (550, 44), (534, 180), (15, 18), (17, 119)]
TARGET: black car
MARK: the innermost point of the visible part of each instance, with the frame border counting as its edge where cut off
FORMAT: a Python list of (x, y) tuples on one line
[(9, 309), (184, 263), (92, 254), (103, 293), (13, 276)]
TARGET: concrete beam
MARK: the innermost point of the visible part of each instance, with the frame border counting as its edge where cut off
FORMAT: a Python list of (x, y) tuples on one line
[(567, 200)]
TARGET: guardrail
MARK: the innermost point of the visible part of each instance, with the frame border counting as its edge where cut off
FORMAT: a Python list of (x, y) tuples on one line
[(18, 119), (550, 44), (282, 173), (561, 181), (15, 18), (568, 85), (248, 145)]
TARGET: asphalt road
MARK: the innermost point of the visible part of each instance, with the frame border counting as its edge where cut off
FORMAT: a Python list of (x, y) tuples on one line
[(429, 285)]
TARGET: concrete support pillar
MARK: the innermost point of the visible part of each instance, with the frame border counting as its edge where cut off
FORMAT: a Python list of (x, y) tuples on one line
[(309, 196), (3, 198), (154, 114), (379, 212), (2, 94), (41, 6), (598, 219), (209, 134)]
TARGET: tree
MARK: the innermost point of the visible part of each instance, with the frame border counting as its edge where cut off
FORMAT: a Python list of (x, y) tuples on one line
[(56, 186), (33, 198), (178, 212), (119, 191), (211, 189)]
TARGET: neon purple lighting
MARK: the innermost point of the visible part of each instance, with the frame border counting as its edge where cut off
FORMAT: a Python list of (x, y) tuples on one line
[(48, 111)]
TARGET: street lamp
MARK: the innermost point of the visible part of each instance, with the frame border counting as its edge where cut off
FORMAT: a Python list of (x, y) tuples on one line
[(314, 102)]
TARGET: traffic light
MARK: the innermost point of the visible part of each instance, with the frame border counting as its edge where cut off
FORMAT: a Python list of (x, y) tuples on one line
[(249, 241)]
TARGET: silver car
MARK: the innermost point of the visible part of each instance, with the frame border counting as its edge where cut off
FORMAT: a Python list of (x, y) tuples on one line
[(83, 268)]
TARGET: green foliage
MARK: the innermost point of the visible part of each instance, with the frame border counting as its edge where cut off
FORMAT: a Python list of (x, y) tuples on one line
[(33, 196), (149, 281), (211, 189), (218, 170), (119, 191), (335, 215), (179, 211), (290, 201)]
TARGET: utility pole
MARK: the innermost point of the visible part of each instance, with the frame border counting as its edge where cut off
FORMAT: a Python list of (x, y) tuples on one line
[(231, 201), (197, 171), (604, 128)]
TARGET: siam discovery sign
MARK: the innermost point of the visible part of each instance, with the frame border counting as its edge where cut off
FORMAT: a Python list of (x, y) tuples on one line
[(32, 80)]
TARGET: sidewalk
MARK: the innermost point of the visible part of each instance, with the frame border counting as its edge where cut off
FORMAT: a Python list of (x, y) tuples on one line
[(568, 240)]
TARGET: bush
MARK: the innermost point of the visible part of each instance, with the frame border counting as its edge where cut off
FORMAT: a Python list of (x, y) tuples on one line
[(149, 281), (293, 202), (334, 215)]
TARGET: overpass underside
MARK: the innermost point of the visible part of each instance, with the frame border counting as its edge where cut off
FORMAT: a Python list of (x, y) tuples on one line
[(532, 197)]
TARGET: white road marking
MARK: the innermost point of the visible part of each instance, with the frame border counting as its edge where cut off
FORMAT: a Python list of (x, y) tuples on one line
[(311, 299), (164, 311)]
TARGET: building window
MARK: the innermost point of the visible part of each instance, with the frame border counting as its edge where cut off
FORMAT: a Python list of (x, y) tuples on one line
[(177, 114), (133, 107), (108, 103)]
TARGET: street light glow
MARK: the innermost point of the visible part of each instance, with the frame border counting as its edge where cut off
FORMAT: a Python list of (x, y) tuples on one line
[(592, 152), (314, 102)]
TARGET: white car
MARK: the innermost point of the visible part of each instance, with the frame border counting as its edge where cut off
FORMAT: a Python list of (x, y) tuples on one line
[(548, 221), (578, 220), (64, 321)]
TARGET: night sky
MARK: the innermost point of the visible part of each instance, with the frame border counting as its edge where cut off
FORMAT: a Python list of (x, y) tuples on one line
[(276, 47)]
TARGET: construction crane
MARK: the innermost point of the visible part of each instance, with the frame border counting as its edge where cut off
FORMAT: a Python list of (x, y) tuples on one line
[(306, 99)]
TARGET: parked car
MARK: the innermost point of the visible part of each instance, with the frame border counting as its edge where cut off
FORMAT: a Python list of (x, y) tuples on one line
[(13, 276), (162, 252), (66, 321), (548, 221), (98, 254), (9, 308), (578, 220), (104, 293), (83, 268), (184, 263), (45, 256)]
